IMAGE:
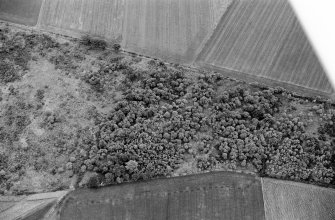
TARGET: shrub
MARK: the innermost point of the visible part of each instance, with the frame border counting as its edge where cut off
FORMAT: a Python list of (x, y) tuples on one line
[(8, 73), (93, 43), (117, 47), (93, 182)]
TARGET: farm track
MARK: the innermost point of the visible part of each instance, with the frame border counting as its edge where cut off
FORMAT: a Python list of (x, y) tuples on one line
[(264, 38)]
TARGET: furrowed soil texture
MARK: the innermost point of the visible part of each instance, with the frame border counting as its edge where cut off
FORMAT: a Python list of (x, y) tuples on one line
[(169, 29), (20, 11), (264, 39), (172, 30), (286, 200), (219, 195), (73, 114), (100, 18)]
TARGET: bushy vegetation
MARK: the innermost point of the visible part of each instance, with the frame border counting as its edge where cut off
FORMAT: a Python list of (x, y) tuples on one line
[(165, 116), (16, 51), (93, 43)]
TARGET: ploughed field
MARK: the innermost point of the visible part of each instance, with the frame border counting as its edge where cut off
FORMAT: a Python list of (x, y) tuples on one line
[(73, 113), (265, 40)]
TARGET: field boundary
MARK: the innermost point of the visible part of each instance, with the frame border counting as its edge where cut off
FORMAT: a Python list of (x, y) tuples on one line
[(264, 205), (195, 62), (209, 35), (231, 73)]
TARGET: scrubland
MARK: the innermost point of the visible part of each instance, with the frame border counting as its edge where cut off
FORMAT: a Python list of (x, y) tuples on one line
[(76, 113)]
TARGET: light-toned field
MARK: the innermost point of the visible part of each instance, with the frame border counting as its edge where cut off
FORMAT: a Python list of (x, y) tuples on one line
[(264, 38), (284, 200), (20, 11), (103, 18), (170, 29), (167, 29)]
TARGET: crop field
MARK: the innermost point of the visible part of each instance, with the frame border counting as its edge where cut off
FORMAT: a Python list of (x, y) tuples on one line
[(294, 201), (102, 18), (264, 38), (20, 11), (221, 195), (171, 29), (168, 29)]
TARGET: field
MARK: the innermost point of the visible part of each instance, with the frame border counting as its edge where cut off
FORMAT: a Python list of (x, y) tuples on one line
[(294, 201), (263, 38), (221, 195), (20, 11), (171, 30), (31, 207), (100, 18)]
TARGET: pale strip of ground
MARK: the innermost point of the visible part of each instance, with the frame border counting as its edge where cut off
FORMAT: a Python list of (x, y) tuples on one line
[(286, 200)]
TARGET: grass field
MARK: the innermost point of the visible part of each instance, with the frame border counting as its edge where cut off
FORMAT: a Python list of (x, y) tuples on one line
[(20, 11), (294, 201), (263, 38), (212, 196)]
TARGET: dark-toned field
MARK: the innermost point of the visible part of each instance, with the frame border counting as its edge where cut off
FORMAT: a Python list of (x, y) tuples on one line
[(264, 38), (221, 195), (294, 201), (20, 11)]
